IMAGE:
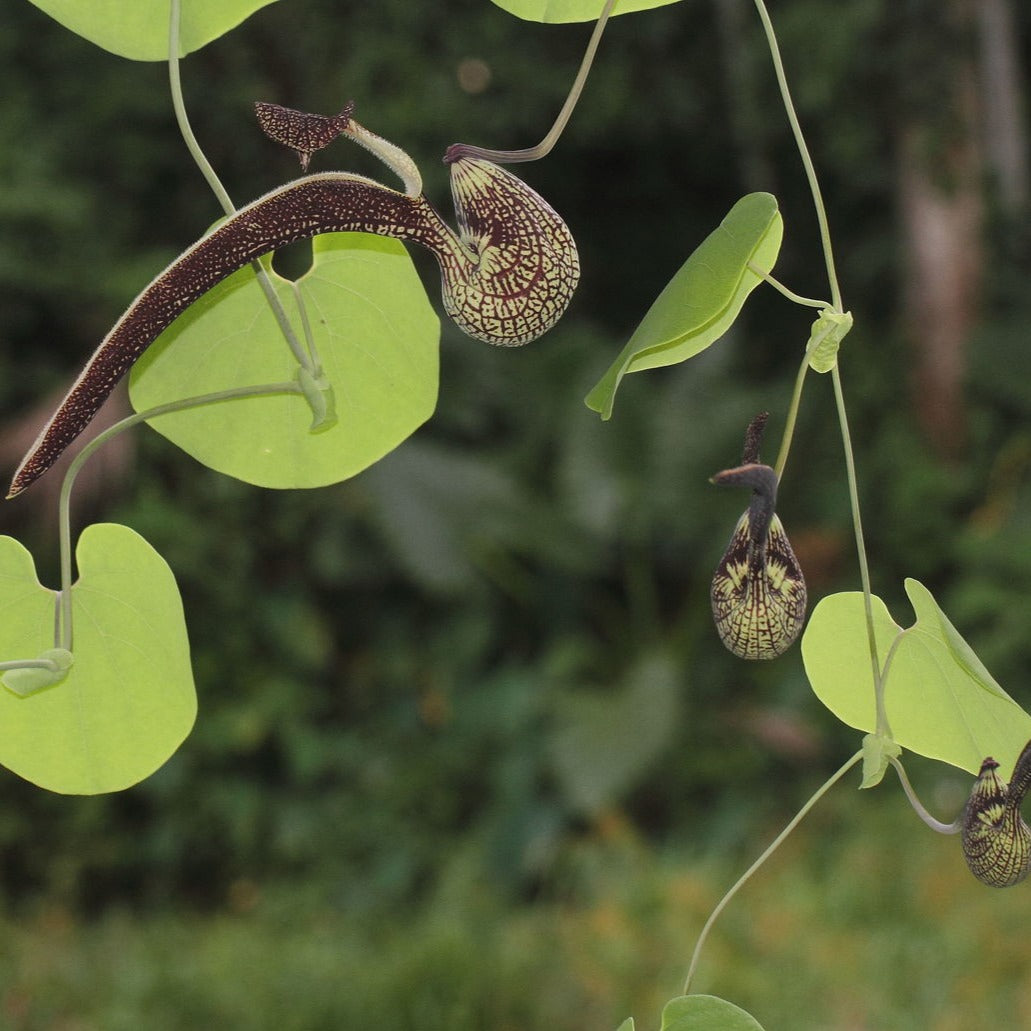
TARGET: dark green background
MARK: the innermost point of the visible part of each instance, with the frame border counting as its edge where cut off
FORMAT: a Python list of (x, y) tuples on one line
[(392, 670)]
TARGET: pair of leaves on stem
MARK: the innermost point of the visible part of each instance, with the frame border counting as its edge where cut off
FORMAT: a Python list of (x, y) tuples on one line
[(939, 698), (138, 29), (128, 701), (940, 702)]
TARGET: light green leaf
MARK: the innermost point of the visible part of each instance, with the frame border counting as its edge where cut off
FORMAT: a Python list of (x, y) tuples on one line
[(557, 11), (128, 701), (701, 302), (138, 29), (627, 1025), (377, 337), (706, 1013), (940, 700)]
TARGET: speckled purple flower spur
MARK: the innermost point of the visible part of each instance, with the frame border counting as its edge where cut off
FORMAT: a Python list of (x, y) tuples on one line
[(507, 275)]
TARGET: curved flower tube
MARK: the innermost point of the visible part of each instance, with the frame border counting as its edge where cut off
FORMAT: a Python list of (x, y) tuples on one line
[(507, 275)]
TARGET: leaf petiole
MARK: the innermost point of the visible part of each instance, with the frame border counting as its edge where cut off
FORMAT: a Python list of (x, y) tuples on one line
[(936, 825), (47, 664), (546, 145), (63, 628), (25, 677), (808, 302)]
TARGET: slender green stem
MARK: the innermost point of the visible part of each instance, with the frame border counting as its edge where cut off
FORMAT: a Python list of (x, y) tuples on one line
[(803, 150), (179, 105), (809, 302), (936, 825), (283, 320), (774, 845), (63, 633), (309, 337), (821, 216), (200, 159), (546, 145), (881, 685), (883, 729), (789, 426)]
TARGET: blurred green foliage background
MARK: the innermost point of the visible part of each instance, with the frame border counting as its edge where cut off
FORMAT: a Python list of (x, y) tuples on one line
[(472, 698)]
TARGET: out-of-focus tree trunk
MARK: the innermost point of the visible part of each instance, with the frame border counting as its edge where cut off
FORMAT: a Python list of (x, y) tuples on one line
[(940, 195), (1004, 128), (942, 222)]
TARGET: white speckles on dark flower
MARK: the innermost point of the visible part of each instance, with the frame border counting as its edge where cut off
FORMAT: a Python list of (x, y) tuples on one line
[(512, 289)]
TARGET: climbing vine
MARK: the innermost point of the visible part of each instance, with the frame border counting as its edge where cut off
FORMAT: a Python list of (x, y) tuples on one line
[(334, 370)]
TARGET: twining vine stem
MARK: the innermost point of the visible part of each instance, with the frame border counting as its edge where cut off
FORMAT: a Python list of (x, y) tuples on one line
[(306, 359), (789, 426), (773, 846), (839, 398), (836, 305), (883, 729), (807, 161)]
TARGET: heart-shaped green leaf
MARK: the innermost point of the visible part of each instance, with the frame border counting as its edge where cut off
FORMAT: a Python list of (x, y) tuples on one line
[(376, 335), (557, 11), (940, 700), (706, 1013), (138, 29), (128, 701), (701, 302)]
